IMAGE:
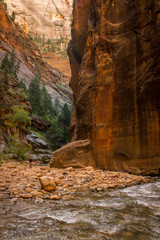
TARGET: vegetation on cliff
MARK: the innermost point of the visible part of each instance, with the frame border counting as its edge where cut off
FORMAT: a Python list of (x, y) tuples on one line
[(56, 47), (58, 117), (19, 104)]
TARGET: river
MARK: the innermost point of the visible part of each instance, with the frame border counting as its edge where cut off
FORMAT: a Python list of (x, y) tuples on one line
[(131, 213)]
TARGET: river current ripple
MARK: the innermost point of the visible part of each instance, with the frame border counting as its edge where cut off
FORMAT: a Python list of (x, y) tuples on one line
[(131, 213)]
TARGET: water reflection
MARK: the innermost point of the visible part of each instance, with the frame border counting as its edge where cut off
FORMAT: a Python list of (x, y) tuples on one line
[(132, 213)]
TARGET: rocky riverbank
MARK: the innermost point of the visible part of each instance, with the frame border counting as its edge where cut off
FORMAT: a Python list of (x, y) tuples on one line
[(42, 182)]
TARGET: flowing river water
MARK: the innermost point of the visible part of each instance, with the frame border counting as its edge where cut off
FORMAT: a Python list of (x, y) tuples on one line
[(131, 213)]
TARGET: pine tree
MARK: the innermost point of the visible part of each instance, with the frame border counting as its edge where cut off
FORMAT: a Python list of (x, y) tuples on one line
[(34, 95), (10, 65), (55, 134), (5, 63), (22, 85), (64, 121), (16, 69), (12, 61), (57, 105), (66, 113), (46, 101), (13, 16)]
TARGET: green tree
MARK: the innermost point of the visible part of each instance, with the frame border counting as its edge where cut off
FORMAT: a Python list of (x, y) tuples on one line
[(19, 119), (16, 69), (5, 64), (22, 85), (12, 61), (67, 115), (19, 149), (13, 16), (4, 4), (46, 101), (55, 134), (57, 105), (34, 96), (64, 122), (10, 65)]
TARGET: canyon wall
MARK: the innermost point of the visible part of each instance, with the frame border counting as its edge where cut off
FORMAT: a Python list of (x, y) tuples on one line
[(31, 61), (115, 62), (34, 16)]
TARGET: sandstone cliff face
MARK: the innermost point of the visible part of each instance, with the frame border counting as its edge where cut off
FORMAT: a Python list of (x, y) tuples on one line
[(36, 15), (31, 62), (115, 61)]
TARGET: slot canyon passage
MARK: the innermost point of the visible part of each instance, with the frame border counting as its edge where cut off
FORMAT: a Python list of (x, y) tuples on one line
[(104, 182)]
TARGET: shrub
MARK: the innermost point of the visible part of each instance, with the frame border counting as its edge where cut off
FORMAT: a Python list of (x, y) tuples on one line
[(19, 149), (19, 119)]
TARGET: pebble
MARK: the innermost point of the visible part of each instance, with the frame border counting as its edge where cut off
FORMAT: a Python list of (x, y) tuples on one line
[(35, 193), (41, 182), (25, 195), (13, 199), (54, 197)]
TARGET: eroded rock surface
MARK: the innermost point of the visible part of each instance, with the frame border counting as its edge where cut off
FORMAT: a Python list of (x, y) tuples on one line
[(52, 15), (30, 58), (76, 154), (115, 62)]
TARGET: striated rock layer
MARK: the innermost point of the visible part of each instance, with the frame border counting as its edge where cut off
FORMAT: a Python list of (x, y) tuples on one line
[(115, 61), (31, 61), (36, 15)]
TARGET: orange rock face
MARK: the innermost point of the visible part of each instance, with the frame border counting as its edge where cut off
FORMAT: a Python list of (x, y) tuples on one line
[(31, 61), (115, 62), (5, 22), (76, 154)]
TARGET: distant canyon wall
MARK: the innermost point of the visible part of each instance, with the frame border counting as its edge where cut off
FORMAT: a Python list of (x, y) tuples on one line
[(115, 62), (51, 18), (31, 61)]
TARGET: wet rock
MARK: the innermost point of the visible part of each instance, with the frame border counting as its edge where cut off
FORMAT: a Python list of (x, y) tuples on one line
[(59, 181), (28, 189), (48, 183), (26, 184), (2, 185), (54, 197), (83, 189), (39, 200), (25, 195), (35, 193), (13, 199)]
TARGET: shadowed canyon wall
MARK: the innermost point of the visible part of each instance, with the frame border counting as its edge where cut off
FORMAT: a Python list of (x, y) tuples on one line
[(115, 62)]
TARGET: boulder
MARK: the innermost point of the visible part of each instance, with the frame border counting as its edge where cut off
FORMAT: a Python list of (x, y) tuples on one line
[(48, 183), (41, 148), (77, 154)]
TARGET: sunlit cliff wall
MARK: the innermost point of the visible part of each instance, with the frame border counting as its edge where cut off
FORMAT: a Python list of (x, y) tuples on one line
[(31, 61), (115, 61), (36, 15)]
